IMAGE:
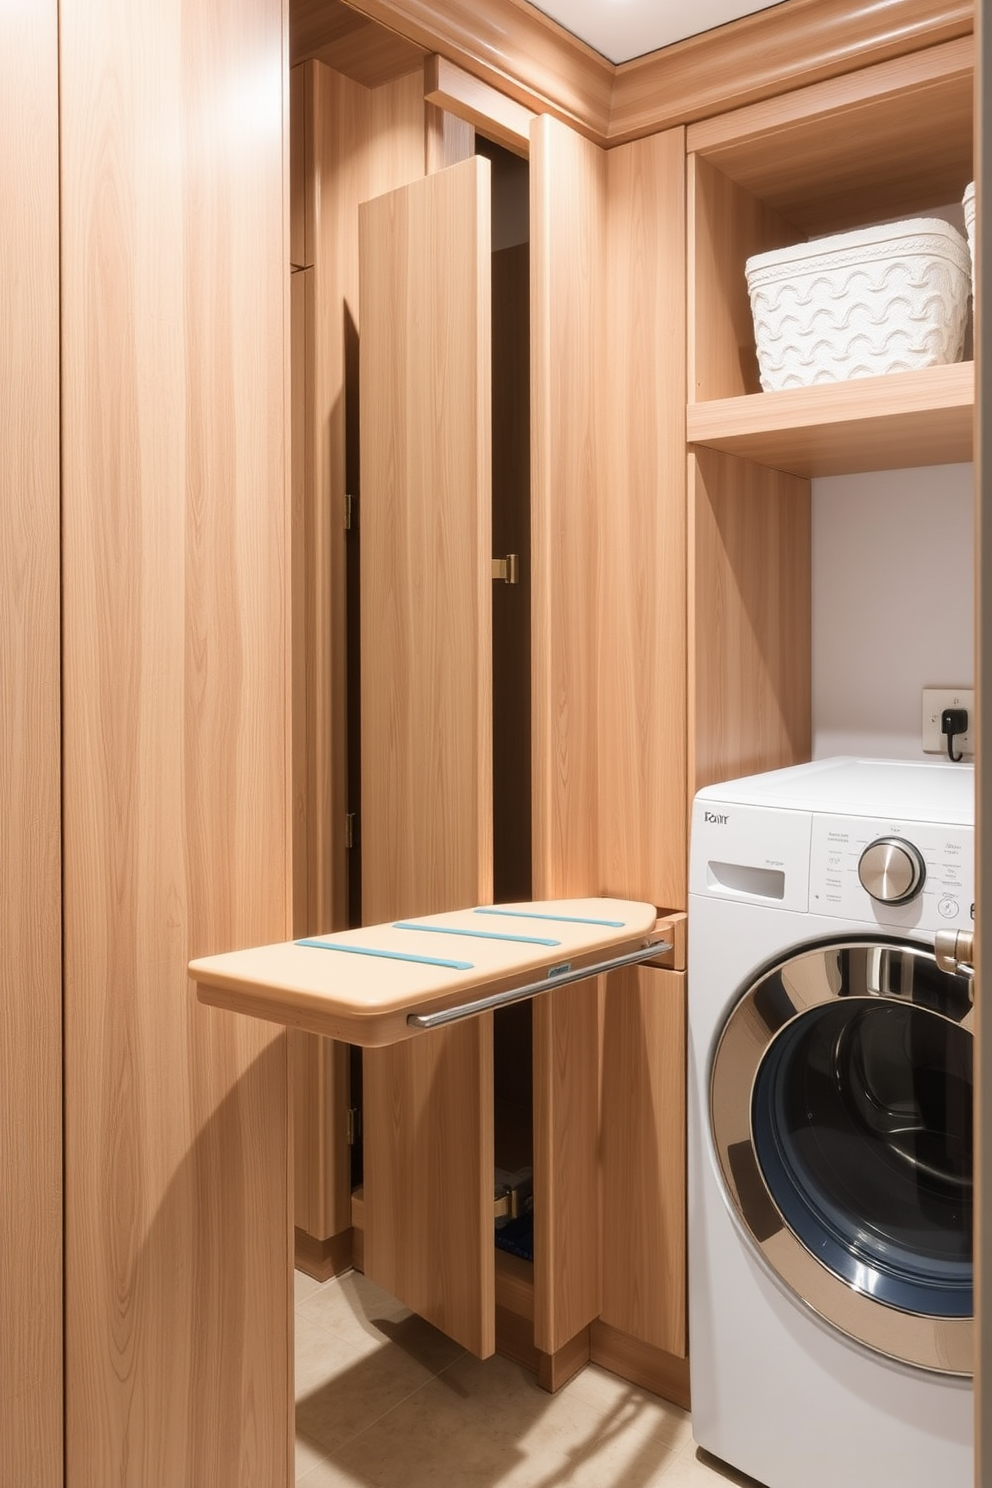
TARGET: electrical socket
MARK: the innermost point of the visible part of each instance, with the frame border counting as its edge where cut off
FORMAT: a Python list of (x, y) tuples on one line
[(935, 700)]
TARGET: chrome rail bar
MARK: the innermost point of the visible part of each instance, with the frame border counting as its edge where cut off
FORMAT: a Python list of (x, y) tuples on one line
[(533, 989)]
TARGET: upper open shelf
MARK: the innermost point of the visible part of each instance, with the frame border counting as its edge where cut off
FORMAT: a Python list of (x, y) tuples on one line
[(837, 428)]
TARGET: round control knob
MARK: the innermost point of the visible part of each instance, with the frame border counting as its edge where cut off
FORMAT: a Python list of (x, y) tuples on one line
[(892, 870)]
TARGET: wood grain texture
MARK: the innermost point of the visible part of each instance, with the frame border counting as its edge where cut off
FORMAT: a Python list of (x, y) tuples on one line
[(354, 143), (568, 184), (331, 32), (31, 1396), (511, 47), (426, 582), (663, 1374), (522, 54), (773, 52), (568, 181), (566, 1167), (429, 1179), (725, 226), (321, 1155), (926, 417), (426, 721), (447, 139), (323, 1259), (641, 678), (494, 114), (911, 118), (300, 170), (175, 346), (749, 619), (643, 1146)]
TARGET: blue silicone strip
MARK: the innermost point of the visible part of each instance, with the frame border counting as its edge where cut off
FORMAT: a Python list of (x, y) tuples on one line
[(476, 934), (523, 914), (354, 950)]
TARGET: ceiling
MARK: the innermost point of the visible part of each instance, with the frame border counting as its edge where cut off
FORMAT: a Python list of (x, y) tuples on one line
[(622, 29)]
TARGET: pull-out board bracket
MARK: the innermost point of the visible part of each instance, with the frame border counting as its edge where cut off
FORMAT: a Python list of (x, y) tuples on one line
[(384, 983)]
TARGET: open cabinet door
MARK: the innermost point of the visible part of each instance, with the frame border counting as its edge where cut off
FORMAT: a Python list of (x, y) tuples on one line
[(426, 825)]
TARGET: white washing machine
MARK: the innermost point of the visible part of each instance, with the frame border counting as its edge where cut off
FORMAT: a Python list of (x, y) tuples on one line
[(830, 1135)]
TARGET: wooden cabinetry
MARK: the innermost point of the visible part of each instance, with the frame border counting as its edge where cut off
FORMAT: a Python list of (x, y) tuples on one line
[(670, 638), (888, 141), (175, 732), (31, 1379)]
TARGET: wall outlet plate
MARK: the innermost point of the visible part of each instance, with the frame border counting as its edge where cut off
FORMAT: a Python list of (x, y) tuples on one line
[(935, 700)]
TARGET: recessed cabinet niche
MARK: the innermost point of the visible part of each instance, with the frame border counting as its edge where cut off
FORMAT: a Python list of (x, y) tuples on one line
[(890, 141)]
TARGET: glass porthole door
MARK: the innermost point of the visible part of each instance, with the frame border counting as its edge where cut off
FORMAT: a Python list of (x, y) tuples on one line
[(841, 1107)]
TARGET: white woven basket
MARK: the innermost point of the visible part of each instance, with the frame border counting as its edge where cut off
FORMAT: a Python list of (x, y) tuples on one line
[(884, 299), (969, 222)]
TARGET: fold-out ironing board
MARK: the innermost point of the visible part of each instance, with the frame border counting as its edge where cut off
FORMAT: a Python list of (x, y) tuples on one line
[(385, 983)]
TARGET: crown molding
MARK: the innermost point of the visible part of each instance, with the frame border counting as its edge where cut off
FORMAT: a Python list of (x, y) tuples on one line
[(530, 59)]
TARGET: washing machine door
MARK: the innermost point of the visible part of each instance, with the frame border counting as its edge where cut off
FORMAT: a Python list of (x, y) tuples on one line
[(841, 1110)]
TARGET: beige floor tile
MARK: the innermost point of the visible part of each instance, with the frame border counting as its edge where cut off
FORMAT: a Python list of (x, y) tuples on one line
[(482, 1424), (328, 1474), (358, 1311), (304, 1286), (359, 1391), (321, 1355), (604, 1390)]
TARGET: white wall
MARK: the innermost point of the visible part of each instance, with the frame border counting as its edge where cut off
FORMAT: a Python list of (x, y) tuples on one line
[(893, 604)]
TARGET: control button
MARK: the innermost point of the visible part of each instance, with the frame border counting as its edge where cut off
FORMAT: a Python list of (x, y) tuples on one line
[(892, 870), (948, 908)]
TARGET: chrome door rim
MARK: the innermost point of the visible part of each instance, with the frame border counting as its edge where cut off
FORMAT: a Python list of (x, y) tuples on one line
[(786, 990)]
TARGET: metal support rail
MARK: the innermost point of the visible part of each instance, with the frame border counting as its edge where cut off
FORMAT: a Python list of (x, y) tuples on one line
[(547, 983)]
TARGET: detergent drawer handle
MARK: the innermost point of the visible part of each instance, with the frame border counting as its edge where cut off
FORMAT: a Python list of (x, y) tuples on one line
[(554, 977)]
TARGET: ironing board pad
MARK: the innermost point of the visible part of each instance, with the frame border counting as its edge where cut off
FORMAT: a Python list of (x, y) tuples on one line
[(361, 986)]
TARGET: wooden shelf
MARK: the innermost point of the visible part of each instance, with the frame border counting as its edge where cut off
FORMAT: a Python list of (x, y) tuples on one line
[(838, 428)]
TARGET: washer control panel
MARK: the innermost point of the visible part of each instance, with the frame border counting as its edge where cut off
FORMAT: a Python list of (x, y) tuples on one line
[(918, 874)]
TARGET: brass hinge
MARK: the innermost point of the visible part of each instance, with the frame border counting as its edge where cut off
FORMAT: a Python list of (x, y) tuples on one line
[(349, 829), (507, 569), (349, 512), (354, 1125)]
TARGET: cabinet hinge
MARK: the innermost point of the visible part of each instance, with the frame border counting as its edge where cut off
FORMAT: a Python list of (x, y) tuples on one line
[(354, 1126), (349, 829), (349, 512), (507, 569)]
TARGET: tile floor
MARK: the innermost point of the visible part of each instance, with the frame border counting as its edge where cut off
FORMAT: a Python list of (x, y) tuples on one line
[(385, 1401)]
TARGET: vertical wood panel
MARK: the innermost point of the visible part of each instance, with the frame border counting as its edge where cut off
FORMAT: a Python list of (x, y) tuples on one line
[(355, 143), (749, 619), (568, 183), (568, 353), (642, 628), (31, 1404), (176, 738), (644, 1280), (426, 721)]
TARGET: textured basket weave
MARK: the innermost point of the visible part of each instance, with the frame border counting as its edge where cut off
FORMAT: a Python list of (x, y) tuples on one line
[(969, 222), (885, 299)]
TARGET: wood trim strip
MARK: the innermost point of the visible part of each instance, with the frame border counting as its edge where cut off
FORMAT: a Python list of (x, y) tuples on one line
[(641, 1363), (31, 1337), (540, 65), (838, 95), (323, 1259), (774, 51), (923, 417), (513, 48), (495, 115)]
